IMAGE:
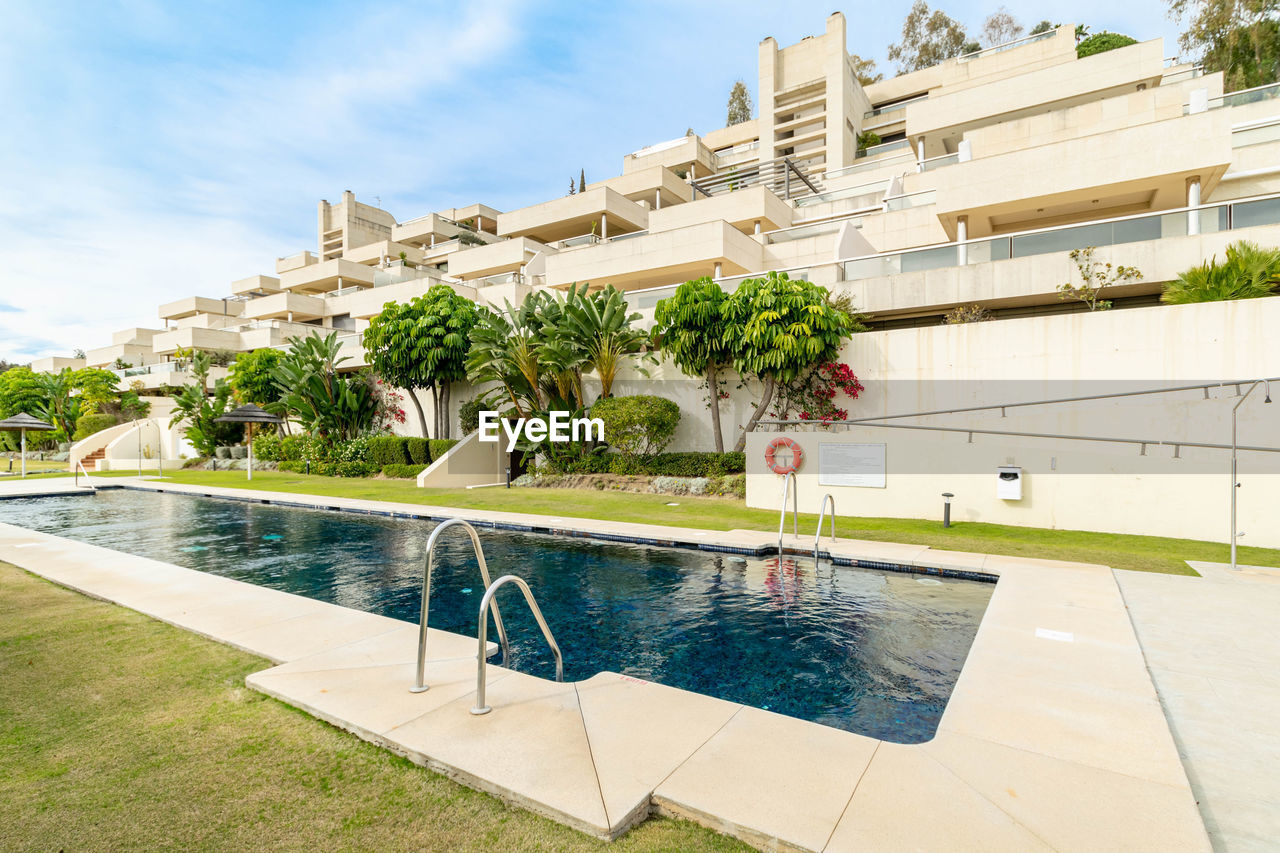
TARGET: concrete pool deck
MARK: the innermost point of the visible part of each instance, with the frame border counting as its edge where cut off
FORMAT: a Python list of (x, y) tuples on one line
[(1054, 738)]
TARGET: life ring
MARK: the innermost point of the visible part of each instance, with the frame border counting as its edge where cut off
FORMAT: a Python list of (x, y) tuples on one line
[(783, 465)]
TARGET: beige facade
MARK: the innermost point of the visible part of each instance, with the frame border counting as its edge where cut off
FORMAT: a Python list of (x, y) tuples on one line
[(991, 168)]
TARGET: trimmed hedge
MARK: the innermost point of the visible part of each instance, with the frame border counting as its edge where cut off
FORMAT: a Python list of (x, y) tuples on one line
[(692, 464), (388, 450), (402, 472), (419, 450), (89, 424), (440, 446), (1101, 43)]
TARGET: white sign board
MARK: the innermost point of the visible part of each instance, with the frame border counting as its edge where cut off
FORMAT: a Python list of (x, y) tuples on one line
[(851, 465)]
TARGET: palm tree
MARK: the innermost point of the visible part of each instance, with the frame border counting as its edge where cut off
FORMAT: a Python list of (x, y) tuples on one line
[(1248, 272)]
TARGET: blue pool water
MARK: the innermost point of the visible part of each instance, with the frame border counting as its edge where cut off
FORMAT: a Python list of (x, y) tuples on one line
[(874, 652)]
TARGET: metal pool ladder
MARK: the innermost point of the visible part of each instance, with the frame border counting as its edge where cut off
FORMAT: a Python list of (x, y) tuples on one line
[(826, 499), (481, 663), (787, 482), (420, 684)]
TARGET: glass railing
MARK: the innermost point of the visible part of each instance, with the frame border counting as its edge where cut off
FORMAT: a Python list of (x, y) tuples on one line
[(1255, 135), (865, 195), (1246, 96), (882, 148), (801, 232), (918, 199), (627, 236), (500, 278), (867, 166), (894, 107), (938, 162), (581, 240), (1009, 45), (346, 291), (1134, 229)]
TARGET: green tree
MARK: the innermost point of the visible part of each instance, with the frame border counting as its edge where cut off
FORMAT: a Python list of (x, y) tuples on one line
[(864, 70), (20, 391), (198, 409), (582, 180), (1101, 43), (252, 376), (597, 328), (778, 328), (423, 344), (690, 329), (328, 404), (1249, 272), (740, 107), (1240, 38), (95, 388), (927, 39), (1042, 27)]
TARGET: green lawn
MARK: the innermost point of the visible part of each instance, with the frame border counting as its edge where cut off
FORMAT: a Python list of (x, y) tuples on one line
[(121, 732), (1139, 553)]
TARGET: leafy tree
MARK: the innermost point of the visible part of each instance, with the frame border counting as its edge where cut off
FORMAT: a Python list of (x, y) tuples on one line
[(252, 377), (20, 391), (868, 138), (864, 70), (1240, 38), (1095, 277), (740, 107), (1101, 43), (778, 328), (1000, 27), (1249, 272), (927, 39), (195, 407), (690, 329), (423, 344), (1042, 27), (68, 394), (328, 404), (597, 328)]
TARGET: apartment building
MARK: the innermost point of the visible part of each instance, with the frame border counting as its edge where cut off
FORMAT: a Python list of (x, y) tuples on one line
[(990, 168)]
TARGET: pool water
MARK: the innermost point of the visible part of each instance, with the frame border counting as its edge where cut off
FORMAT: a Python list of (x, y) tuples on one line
[(873, 652)]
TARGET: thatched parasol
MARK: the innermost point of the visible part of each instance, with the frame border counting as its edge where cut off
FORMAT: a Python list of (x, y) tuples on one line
[(23, 422)]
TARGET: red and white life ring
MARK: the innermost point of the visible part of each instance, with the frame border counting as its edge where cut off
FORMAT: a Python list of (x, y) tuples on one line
[(784, 462)]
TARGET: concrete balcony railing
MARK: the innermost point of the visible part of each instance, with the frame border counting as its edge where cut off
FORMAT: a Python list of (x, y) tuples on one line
[(193, 305)]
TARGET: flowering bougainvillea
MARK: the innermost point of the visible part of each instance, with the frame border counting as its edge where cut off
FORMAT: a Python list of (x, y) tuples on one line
[(813, 395), (390, 406)]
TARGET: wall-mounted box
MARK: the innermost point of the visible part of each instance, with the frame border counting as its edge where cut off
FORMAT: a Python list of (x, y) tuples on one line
[(1009, 483)]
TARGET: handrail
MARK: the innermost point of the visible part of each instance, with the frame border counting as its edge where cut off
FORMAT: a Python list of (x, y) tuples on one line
[(787, 480), (420, 684), (483, 633), (80, 467), (826, 499)]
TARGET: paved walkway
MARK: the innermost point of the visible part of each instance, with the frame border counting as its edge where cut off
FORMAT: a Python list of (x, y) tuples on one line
[(1212, 645)]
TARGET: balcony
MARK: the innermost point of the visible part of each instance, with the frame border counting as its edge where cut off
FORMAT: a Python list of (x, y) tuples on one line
[(285, 306), (326, 276), (193, 305), (658, 258), (375, 253), (606, 209), (500, 257), (742, 209), (255, 285), (295, 261), (685, 152)]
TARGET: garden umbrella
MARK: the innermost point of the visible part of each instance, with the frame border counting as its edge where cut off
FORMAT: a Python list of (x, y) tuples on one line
[(248, 415), (23, 422)]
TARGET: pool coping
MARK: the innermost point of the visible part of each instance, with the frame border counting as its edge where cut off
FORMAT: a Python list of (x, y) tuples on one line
[(1053, 738)]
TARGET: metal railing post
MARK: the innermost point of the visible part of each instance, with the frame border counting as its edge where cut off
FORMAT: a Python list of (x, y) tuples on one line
[(419, 684), (817, 536), (480, 706), (787, 480)]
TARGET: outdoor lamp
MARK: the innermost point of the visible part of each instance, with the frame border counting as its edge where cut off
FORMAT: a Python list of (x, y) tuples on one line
[(946, 508)]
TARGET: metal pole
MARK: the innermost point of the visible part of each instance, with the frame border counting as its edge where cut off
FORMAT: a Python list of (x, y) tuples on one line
[(1235, 484), (250, 451), (24, 453), (137, 427)]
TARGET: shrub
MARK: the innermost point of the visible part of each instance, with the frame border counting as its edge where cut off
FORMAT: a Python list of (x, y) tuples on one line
[(292, 447), (89, 424), (640, 425), (268, 447), (352, 450), (419, 450), (1248, 272), (469, 416), (402, 472), (730, 485), (292, 465), (387, 450), (1101, 43), (695, 464), (440, 446), (353, 469)]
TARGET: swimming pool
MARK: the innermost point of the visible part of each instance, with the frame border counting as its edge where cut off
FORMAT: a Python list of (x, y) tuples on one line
[(873, 652)]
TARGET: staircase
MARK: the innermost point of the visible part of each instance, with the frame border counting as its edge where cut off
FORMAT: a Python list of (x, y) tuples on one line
[(90, 462)]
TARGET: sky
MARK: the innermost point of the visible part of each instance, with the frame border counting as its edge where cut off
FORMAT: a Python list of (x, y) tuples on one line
[(155, 150)]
